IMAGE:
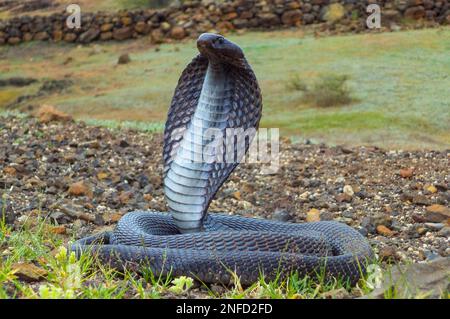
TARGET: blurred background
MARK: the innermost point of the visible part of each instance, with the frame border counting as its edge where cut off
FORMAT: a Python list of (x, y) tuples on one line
[(324, 76)]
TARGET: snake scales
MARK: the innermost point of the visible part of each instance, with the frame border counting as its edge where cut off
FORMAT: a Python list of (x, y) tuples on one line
[(218, 90)]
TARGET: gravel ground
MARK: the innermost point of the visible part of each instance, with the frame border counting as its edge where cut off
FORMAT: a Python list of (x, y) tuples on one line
[(85, 178)]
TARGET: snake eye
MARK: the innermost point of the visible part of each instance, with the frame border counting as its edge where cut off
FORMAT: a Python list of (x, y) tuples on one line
[(220, 40)]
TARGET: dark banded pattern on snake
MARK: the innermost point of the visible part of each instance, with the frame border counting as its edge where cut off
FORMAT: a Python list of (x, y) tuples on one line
[(218, 90)]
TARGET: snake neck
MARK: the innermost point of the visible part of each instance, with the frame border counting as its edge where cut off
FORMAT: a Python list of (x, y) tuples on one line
[(187, 180)]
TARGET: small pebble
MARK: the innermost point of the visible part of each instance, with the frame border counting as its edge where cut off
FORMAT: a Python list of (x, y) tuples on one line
[(281, 215)]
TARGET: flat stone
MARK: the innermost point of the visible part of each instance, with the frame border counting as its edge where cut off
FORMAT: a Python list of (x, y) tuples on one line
[(420, 200), (419, 279), (437, 213), (334, 12), (313, 215), (89, 35), (444, 232), (142, 27), (14, 40), (281, 215), (122, 33), (383, 230), (348, 190), (60, 230), (41, 36), (434, 226), (387, 254), (124, 59), (106, 27), (340, 293), (415, 13), (177, 33), (79, 189), (343, 198), (28, 272), (406, 172), (291, 17), (70, 37)]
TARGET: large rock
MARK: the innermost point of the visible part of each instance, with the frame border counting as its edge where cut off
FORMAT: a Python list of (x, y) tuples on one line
[(415, 13), (240, 23), (57, 35), (437, 213), (104, 36), (430, 15), (165, 26), (27, 36), (29, 272), (294, 5), (269, 19), (246, 15), (90, 35), (142, 27), (48, 113), (70, 37), (79, 189), (292, 17), (390, 15), (333, 13), (14, 40), (230, 16), (428, 4), (126, 21), (313, 215), (224, 26), (123, 33), (308, 18), (41, 36), (124, 59), (415, 280), (401, 4), (177, 33), (106, 27), (157, 36)]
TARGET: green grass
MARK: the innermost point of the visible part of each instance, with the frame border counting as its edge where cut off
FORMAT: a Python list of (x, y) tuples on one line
[(136, 125), (88, 277), (398, 82)]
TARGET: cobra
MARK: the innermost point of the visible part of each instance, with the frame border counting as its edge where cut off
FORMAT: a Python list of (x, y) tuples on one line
[(218, 90)]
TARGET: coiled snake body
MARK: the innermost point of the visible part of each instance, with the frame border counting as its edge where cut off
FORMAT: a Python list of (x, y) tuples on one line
[(218, 91)]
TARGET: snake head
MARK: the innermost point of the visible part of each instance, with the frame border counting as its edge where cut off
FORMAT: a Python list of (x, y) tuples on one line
[(218, 49)]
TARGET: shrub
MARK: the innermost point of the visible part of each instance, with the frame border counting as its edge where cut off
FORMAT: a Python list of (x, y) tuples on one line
[(296, 84), (328, 90)]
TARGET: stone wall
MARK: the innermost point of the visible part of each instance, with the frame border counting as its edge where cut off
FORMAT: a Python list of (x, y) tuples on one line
[(194, 17)]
